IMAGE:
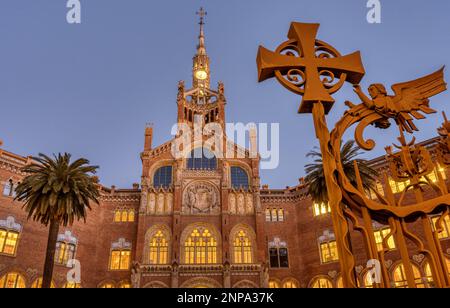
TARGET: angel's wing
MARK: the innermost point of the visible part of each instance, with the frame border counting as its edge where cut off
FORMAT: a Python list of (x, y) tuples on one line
[(413, 95)]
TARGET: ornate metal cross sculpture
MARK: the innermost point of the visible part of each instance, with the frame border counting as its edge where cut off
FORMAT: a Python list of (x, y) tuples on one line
[(315, 70), (309, 67)]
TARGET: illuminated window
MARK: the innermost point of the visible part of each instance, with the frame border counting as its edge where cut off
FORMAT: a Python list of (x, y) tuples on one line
[(445, 233), (278, 257), (200, 248), (400, 280), (120, 260), (163, 177), (125, 285), (447, 261), (273, 284), (322, 283), (380, 235), (159, 249), (64, 252), (329, 252), (398, 187), (340, 283), (72, 285), (124, 215), (242, 248), (107, 285), (8, 188), (280, 215), (37, 284), (290, 284), (239, 178), (268, 215), (274, 215), (202, 159), (379, 188), (8, 242), (12, 281), (321, 209), (428, 275)]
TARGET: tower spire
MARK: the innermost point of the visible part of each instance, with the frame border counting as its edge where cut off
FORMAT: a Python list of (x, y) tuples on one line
[(200, 71), (201, 49)]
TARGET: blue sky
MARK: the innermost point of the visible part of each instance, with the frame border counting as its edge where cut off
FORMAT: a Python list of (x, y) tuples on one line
[(89, 89)]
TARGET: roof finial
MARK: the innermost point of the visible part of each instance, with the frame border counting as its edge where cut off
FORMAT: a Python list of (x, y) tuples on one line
[(201, 46)]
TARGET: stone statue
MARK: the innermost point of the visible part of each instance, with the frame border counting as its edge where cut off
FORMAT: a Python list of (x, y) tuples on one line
[(135, 275), (232, 203), (241, 204), (143, 208), (169, 203), (152, 204), (249, 204), (160, 204)]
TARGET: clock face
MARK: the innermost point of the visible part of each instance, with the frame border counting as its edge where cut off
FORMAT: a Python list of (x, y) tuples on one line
[(201, 75)]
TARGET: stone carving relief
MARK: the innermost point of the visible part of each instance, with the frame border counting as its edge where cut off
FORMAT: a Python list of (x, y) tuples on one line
[(201, 198), (241, 203), (159, 203)]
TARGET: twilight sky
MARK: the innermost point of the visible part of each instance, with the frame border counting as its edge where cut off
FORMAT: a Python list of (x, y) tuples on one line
[(89, 89)]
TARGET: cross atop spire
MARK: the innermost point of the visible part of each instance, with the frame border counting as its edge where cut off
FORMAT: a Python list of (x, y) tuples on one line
[(202, 13), (201, 50)]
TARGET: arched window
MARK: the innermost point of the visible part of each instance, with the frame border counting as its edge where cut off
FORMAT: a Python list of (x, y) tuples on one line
[(124, 285), (8, 242), (322, 283), (239, 178), (278, 254), (72, 285), (400, 280), (200, 247), (428, 275), (64, 252), (37, 284), (107, 285), (447, 260), (163, 177), (159, 248), (202, 159), (12, 281), (274, 284), (340, 283), (124, 215), (242, 248), (290, 284)]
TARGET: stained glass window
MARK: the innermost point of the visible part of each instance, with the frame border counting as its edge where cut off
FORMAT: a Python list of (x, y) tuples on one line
[(163, 177), (239, 178)]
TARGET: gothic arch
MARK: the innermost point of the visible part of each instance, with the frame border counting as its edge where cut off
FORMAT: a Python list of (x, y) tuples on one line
[(105, 282), (151, 232), (23, 275), (291, 280), (325, 278), (250, 233), (201, 282), (156, 285), (245, 284), (246, 167), (415, 266), (156, 166), (201, 226)]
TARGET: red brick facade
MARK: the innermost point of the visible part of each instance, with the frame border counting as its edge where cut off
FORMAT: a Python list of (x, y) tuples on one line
[(202, 200)]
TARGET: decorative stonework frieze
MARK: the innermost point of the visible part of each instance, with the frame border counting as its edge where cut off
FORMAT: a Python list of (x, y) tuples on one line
[(10, 224)]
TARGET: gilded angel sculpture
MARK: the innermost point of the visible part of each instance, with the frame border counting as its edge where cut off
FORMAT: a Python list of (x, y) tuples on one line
[(410, 99)]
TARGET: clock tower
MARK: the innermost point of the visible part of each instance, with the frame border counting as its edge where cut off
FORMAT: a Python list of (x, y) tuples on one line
[(201, 100)]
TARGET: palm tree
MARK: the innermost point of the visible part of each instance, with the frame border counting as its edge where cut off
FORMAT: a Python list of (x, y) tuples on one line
[(316, 179), (57, 192)]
